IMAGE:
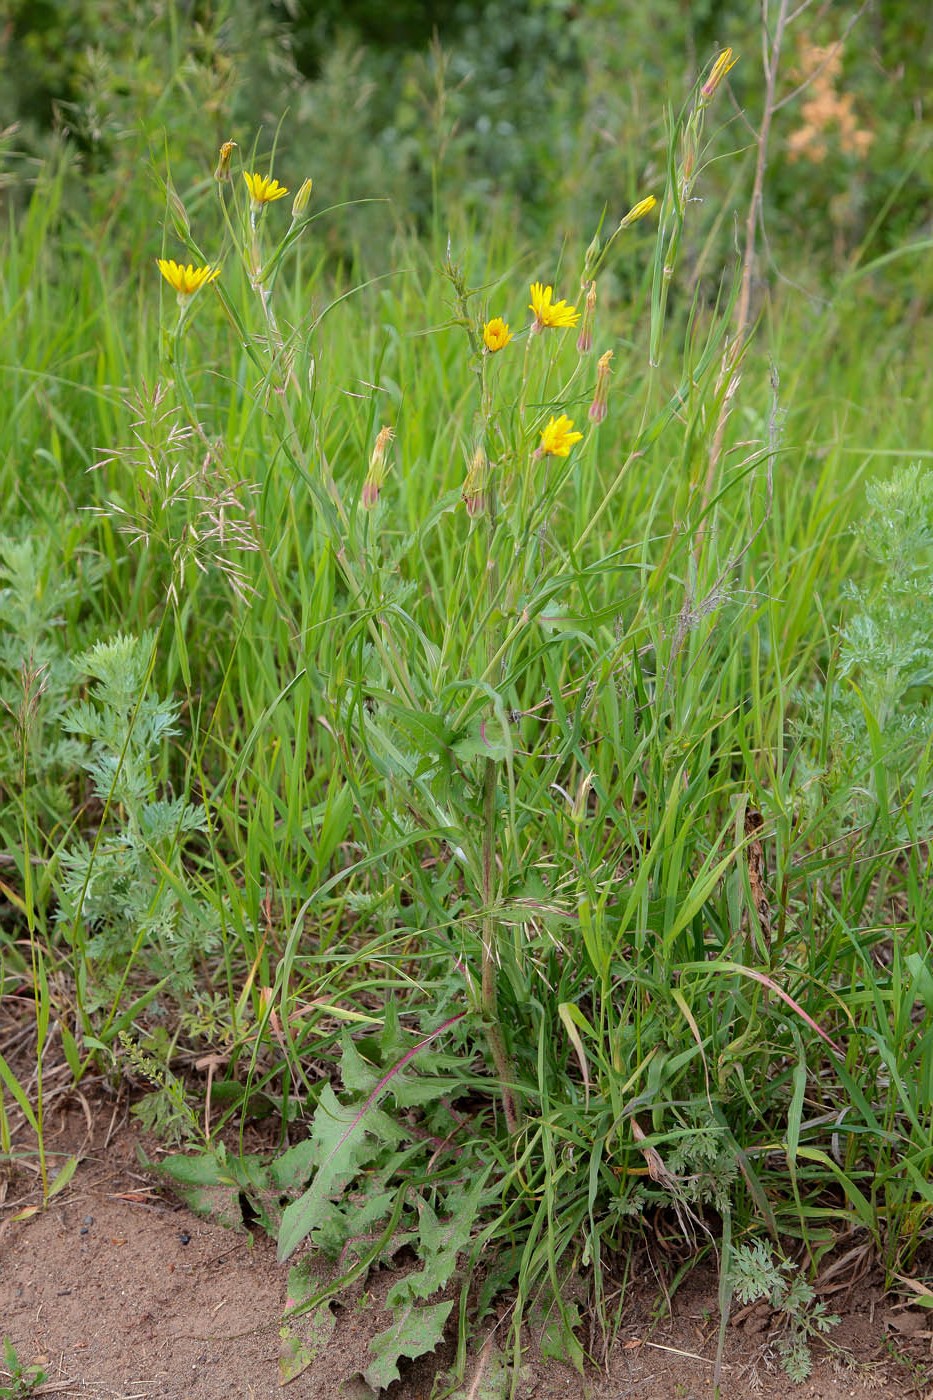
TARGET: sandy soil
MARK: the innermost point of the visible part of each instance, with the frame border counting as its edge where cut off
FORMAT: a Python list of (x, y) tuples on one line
[(119, 1292)]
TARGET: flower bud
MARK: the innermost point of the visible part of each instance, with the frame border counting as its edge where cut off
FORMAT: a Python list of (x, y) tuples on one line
[(590, 260), (302, 200), (496, 335), (474, 487), (585, 338), (600, 405), (377, 469), (688, 153), (638, 211), (720, 68), (178, 215), (222, 173)]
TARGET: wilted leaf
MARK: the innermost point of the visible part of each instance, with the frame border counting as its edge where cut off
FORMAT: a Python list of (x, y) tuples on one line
[(303, 1337)]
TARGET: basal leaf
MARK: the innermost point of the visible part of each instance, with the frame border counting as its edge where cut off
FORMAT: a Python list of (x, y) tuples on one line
[(414, 1331), (341, 1144), (440, 1244)]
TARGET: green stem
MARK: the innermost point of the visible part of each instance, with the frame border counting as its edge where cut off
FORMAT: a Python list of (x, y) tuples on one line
[(490, 1004)]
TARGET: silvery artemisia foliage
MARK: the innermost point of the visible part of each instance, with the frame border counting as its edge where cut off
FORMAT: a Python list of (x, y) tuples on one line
[(126, 893), (872, 723)]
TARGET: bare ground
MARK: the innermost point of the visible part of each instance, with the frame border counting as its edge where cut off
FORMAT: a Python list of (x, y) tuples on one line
[(119, 1292)]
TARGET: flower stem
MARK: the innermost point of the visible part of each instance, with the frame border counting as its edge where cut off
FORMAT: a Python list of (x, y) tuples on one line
[(490, 1007)]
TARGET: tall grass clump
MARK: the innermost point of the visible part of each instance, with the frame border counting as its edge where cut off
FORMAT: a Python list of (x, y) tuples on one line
[(444, 721)]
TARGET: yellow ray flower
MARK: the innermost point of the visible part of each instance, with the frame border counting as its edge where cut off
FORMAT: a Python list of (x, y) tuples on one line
[(186, 280), (547, 313), (263, 189), (496, 335), (558, 438)]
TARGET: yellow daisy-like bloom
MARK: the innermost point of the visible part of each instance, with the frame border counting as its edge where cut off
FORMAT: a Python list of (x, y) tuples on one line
[(558, 438), (186, 280), (496, 335), (550, 313), (263, 189)]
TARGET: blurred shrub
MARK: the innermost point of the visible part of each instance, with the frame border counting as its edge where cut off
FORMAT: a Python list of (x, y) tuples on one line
[(552, 108)]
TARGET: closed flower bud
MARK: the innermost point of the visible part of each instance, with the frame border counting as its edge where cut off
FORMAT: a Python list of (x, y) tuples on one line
[(222, 173), (720, 68), (377, 469), (585, 338), (591, 259), (638, 211), (496, 335), (302, 200), (179, 215), (600, 405), (474, 487), (688, 148)]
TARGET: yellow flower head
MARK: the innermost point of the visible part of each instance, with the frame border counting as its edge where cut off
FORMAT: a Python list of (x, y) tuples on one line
[(496, 335), (186, 280), (547, 313), (263, 189), (558, 438)]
